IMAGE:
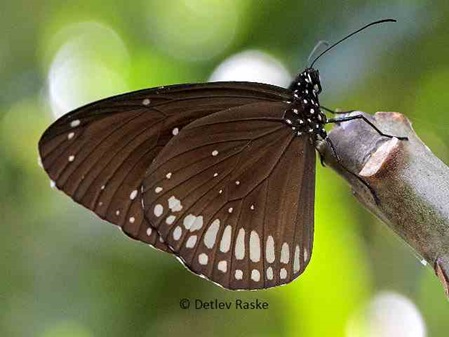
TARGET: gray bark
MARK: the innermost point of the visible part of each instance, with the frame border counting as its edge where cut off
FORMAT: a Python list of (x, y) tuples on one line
[(411, 184)]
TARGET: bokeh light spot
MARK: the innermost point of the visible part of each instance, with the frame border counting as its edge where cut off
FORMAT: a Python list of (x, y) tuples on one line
[(253, 66), (194, 29), (388, 314), (89, 65)]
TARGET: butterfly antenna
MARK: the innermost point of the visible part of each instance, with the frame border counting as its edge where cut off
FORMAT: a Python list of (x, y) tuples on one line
[(348, 36), (318, 45)]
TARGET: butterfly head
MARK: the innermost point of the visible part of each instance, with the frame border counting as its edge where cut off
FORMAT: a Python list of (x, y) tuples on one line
[(307, 83)]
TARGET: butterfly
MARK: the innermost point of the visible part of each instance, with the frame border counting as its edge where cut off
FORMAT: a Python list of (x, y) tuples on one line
[(221, 175)]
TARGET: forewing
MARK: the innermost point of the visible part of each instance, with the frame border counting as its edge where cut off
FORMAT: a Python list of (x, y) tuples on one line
[(233, 194), (98, 154)]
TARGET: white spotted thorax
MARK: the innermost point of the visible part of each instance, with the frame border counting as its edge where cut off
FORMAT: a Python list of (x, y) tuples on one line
[(304, 116)]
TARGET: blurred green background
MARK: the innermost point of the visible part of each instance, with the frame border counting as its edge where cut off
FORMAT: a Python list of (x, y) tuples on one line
[(64, 272)]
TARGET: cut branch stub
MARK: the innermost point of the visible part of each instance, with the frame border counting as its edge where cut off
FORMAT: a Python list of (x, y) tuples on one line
[(410, 183)]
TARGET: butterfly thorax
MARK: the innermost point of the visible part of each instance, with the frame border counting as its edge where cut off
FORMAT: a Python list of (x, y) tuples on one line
[(305, 116)]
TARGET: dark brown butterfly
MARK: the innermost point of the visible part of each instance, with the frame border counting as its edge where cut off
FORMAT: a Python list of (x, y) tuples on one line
[(221, 175)]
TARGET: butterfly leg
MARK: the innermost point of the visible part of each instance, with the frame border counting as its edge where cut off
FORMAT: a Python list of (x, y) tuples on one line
[(366, 120), (321, 158), (337, 157)]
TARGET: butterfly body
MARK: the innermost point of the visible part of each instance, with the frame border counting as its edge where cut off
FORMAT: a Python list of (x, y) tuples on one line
[(305, 116)]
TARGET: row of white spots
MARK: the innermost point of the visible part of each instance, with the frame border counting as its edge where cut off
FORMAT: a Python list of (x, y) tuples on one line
[(255, 274)]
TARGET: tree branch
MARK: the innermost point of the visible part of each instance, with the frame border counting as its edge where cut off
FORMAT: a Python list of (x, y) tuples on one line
[(410, 183)]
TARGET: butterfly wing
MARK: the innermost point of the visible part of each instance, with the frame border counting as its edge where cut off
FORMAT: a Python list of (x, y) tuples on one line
[(98, 154), (233, 196)]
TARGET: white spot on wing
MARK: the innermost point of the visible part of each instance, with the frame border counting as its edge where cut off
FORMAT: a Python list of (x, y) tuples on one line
[(226, 239), (170, 219), (174, 204), (70, 135), (283, 273), (296, 264), (71, 158), (240, 245), (269, 273), (132, 219), (214, 153), (285, 253), (269, 251), (177, 233), (192, 222), (75, 123), (191, 241), (149, 231), (222, 266), (254, 247), (255, 275), (133, 195), (158, 210), (238, 274), (146, 101), (203, 259), (158, 189), (175, 131), (168, 175), (211, 234)]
